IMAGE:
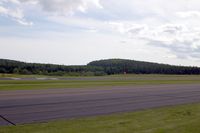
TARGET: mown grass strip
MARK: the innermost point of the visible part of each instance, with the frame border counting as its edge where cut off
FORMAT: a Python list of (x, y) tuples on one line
[(176, 119)]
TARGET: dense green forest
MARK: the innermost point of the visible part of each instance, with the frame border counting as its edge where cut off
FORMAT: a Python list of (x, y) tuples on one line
[(16, 67), (116, 66), (96, 68)]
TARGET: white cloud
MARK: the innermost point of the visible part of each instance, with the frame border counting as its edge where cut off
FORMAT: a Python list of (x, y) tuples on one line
[(82, 24), (15, 13), (64, 7), (67, 6), (127, 27), (52, 7), (171, 25), (188, 14), (13, 1), (182, 40)]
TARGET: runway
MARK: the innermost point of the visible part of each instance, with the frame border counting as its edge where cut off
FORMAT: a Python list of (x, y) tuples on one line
[(30, 106)]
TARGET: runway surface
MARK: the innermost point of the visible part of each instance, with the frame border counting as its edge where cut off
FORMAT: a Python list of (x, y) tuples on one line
[(29, 106)]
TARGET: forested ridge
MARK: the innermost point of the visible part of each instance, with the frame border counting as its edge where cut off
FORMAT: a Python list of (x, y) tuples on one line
[(96, 68)]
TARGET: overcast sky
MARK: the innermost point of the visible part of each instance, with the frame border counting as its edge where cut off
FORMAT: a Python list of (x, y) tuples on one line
[(79, 31)]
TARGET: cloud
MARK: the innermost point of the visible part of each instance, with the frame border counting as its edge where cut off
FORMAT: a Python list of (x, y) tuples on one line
[(64, 7), (181, 49), (11, 9), (188, 14), (184, 43), (15, 9), (15, 14), (181, 40), (133, 29), (178, 37), (171, 26)]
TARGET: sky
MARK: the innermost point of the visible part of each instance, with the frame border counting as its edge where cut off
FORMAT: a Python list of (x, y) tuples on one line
[(75, 32)]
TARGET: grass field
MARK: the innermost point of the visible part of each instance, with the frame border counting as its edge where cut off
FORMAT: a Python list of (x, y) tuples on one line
[(177, 119), (82, 82)]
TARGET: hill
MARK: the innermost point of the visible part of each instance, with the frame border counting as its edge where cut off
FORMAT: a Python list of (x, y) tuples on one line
[(18, 67), (116, 66), (96, 68)]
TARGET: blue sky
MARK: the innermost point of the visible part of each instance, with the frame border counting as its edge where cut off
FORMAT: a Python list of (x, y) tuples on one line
[(79, 31)]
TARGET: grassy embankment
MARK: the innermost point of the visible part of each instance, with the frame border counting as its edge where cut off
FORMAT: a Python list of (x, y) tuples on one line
[(177, 119), (83, 82)]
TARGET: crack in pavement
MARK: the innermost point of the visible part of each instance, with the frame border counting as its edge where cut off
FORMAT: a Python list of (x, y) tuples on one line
[(10, 122)]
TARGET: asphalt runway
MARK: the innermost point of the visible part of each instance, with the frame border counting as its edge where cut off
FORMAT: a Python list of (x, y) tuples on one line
[(30, 106)]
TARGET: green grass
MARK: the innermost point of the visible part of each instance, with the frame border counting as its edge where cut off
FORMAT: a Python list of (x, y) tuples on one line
[(176, 119), (86, 82), (19, 76)]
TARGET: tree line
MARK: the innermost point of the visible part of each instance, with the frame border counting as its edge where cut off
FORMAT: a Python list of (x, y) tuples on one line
[(117, 66), (17, 67), (95, 68)]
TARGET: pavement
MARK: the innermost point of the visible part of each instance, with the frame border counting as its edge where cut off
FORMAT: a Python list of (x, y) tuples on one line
[(32, 106)]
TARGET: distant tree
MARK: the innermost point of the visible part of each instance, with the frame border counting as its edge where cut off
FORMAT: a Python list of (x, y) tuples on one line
[(97, 68), (2, 70), (16, 70), (25, 71)]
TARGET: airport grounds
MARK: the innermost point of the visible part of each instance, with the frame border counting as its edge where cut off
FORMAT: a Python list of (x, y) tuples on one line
[(180, 118)]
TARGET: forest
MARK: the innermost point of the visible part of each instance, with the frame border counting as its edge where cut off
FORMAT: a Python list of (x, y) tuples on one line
[(95, 68)]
